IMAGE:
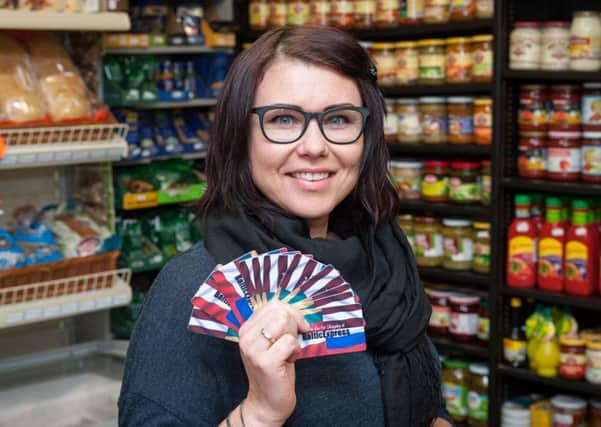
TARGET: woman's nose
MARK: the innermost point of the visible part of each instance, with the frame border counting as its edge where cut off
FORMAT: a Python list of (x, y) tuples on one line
[(313, 143)]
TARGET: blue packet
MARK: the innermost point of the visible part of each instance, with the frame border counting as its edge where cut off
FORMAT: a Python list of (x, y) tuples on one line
[(11, 255), (37, 243)]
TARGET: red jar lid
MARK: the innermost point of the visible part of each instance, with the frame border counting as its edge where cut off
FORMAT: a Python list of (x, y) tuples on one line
[(560, 134), (465, 165), (426, 220), (436, 164), (534, 141), (557, 24), (526, 24), (463, 299)]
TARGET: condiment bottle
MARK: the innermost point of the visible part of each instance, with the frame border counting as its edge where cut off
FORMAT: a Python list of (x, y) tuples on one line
[(477, 396), (585, 41), (320, 12), (514, 342), (572, 358), (582, 252), (258, 14), (551, 248), (546, 354), (525, 46), (522, 247)]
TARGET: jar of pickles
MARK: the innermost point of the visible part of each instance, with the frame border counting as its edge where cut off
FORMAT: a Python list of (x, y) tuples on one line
[(458, 246), (477, 397), (461, 119), (386, 62), (459, 60), (431, 61), (409, 128), (407, 177), (455, 388), (436, 11), (481, 258), (482, 58), (407, 62), (433, 118), (464, 182), (428, 242), (406, 222)]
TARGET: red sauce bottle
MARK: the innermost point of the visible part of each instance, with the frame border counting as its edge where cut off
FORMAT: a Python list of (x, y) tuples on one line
[(522, 246), (551, 248)]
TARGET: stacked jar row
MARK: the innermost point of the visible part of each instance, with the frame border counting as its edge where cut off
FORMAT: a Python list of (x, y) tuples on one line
[(437, 120), (434, 61), (557, 45), (466, 182), (560, 410), (465, 390), (364, 14), (454, 244)]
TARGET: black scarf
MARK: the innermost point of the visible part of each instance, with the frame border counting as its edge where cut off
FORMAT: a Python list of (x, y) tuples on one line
[(379, 265)]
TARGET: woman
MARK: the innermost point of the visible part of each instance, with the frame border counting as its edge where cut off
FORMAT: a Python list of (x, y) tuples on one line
[(297, 159)]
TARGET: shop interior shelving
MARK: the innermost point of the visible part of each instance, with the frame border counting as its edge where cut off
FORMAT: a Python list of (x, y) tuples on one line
[(466, 278), (464, 89), (44, 20), (576, 188), (588, 302), (165, 50), (440, 150), (418, 207), (189, 103)]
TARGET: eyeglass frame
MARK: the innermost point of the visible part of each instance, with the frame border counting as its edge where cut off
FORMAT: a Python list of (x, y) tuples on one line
[(260, 111)]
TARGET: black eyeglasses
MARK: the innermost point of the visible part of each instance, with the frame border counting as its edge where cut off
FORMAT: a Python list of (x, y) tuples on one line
[(285, 124)]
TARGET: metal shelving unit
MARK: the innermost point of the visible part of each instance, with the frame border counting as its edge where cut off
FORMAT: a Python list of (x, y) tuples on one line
[(165, 50), (466, 278), (463, 89), (460, 349), (559, 298), (189, 103), (552, 76), (556, 383), (44, 20), (576, 188), (418, 207), (440, 150)]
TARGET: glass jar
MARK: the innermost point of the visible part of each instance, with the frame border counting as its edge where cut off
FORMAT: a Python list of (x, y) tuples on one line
[(386, 62), (585, 41), (407, 179), (431, 61), (532, 110), (320, 12), (428, 242), (483, 333), (406, 222), (299, 12), (258, 15), (481, 259), (555, 46), (454, 388), (409, 129), (595, 413), (525, 46), (464, 317), (364, 14), (461, 119), (341, 14), (391, 121), (591, 107), (462, 10), (485, 9), (532, 157), (477, 396), (464, 182), (440, 319), (436, 11), (435, 181), (591, 157), (572, 358), (407, 63), (485, 182), (433, 119), (278, 13), (565, 108), (593, 362), (482, 58), (457, 245), (459, 60), (411, 12), (483, 121), (387, 13), (568, 411), (564, 159)]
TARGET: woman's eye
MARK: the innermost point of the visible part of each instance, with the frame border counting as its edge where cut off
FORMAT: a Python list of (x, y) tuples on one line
[(282, 120), (337, 120)]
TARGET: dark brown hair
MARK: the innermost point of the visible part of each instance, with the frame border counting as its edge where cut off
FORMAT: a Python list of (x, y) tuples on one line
[(230, 184)]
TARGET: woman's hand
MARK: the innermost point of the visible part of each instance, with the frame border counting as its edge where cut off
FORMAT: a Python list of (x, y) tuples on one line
[(441, 422), (268, 346)]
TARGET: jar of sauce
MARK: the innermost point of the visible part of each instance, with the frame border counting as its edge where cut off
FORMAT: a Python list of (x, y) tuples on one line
[(482, 58), (564, 159), (481, 259), (341, 14), (464, 182), (565, 108), (477, 396), (572, 358), (555, 40), (595, 413), (299, 12), (407, 63), (483, 121), (387, 13), (428, 242), (364, 14), (407, 177), (593, 362), (409, 128), (386, 62), (258, 15), (485, 9), (320, 12), (391, 121), (591, 157), (585, 41), (461, 119), (532, 110), (459, 60), (433, 119), (457, 245), (407, 223), (431, 61), (278, 13), (568, 411), (435, 183), (591, 107), (464, 317), (532, 158), (462, 10), (436, 11), (485, 182), (411, 12), (455, 388), (441, 313), (525, 46)]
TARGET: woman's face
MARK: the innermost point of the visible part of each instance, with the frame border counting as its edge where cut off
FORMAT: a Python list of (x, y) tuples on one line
[(310, 177)]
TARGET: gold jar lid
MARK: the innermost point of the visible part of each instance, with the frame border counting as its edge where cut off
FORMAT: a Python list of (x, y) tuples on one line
[(481, 225), (381, 46), (430, 42), (457, 40), (483, 101), (406, 45), (482, 38)]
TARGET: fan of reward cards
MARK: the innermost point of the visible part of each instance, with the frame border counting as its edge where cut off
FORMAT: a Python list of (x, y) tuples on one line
[(228, 297)]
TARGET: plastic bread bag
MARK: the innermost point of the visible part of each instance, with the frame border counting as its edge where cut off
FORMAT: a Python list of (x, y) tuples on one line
[(20, 99), (11, 255), (33, 237)]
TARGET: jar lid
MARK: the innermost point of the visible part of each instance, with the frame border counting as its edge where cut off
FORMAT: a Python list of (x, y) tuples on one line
[(483, 101), (482, 38), (430, 42), (389, 101), (561, 134), (407, 101), (557, 24), (481, 225), (515, 411), (403, 164), (406, 44), (456, 222), (465, 165), (463, 299), (405, 217), (436, 164), (379, 46), (593, 344), (456, 40), (486, 163), (426, 220), (564, 401), (455, 364), (460, 99), (586, 13), (591, 135), (592, 85), (432, 100), (571, 341), (522, 199), (478, 369), (527, 24), (595, 403), (439, 294), (366, 45)]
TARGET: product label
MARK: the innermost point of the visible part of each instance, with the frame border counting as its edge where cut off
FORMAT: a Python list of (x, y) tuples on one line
[(298, 13), (464, 189), (524, 52), (407, 67), (482, 66), (435, 185), (565, 113), (431, 66), (564, 160), (550, 253), (591, 160), (477, 406), (593, 359), (278, 14), (456, 398), (461, 125), (564, 420), (428, 245), (485, 188), (572, 365), (531, 114), (320, 8), (481, 255), (387, 10), (514, 351), (433, 125), (458, 250), (459, 66), (591, 110), (483, 333), (556, 51), (440, 316), (409, 124), (483, 126), (464, 323), (580, 48), (342, 7), (407, 186), (259, 13), (532, 159), (386, 67), (391, 123), (521, 258), (593, 375), (363, 7), (411, 9), (577, 254)]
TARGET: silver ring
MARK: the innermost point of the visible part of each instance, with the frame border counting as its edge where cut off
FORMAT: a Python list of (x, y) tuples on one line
[(267, 336)]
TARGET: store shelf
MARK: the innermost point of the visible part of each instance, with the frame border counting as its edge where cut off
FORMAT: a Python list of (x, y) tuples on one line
[(63, 21), (464, 89), (591, 302), (442, 275), (148, 160), (64, 297), (440, 150), (62, 145), (541, 76), (576, 188), (165, 50), (418, 207), (411, 32), (447, 346), (190, 103), (572, 386)]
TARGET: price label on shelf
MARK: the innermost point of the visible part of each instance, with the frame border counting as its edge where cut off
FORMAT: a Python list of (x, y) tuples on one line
[(140, 200), (2, 148)]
